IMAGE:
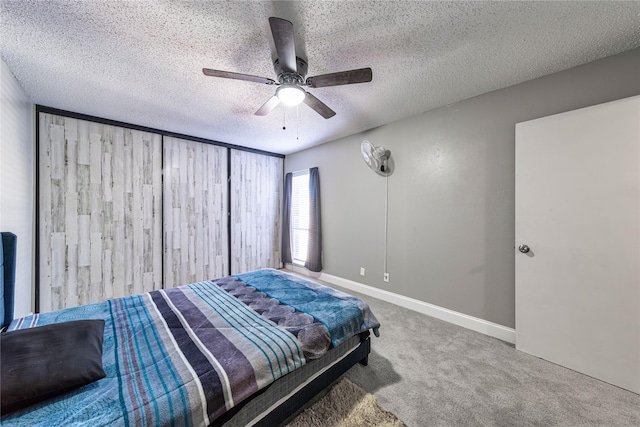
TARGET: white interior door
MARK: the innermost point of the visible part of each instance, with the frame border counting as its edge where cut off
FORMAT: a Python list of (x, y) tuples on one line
[(578, 210)]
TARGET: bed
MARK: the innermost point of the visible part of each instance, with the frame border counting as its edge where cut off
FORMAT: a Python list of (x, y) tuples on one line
[(248, 349)]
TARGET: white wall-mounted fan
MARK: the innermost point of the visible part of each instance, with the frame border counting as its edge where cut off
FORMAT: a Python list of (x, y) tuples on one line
[(377, 158), (380, 161)]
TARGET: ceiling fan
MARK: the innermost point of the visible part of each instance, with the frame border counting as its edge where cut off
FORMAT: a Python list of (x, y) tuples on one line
[(291, 72)]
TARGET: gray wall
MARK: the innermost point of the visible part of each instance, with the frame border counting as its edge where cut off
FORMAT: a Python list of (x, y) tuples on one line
[(17, 180), (451, 197)]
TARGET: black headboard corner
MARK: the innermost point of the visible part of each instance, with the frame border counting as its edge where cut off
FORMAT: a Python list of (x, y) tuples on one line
[(7, 276)]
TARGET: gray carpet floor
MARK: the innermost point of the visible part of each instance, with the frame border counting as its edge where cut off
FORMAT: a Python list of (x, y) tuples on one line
[(433, 373)]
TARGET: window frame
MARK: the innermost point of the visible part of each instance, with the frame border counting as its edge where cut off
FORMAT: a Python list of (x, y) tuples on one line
[(300, 224)]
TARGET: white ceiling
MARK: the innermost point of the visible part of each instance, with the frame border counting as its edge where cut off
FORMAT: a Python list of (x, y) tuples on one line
[(141, 61)]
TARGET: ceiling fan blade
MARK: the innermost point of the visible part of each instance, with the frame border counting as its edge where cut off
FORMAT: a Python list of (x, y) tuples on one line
[(282, 31), (319, 106), (237, 76), (268, 106), (361, 75)]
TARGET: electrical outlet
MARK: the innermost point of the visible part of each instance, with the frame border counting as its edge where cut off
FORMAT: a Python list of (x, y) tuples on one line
[(386, 277), (362, 271)]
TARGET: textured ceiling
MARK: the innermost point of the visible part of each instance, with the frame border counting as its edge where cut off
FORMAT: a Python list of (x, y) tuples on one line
[(141, 62)]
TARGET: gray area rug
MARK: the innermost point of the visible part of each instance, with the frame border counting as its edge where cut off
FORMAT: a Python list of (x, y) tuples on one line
[(346, 405)]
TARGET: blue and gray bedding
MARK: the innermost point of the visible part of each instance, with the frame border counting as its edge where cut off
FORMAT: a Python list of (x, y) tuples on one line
[(184, 356)]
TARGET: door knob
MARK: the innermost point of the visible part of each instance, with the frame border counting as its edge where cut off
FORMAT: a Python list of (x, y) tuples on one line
[(524, 249)]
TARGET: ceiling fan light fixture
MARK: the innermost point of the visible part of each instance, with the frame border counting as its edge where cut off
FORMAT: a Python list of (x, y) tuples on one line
[(290, 94)]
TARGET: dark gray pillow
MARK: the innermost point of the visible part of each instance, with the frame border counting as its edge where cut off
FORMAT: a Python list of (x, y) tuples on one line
[(42, 362)]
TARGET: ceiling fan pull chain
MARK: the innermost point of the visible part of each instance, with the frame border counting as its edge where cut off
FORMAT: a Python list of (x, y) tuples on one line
[(284, 117), (297, 122)]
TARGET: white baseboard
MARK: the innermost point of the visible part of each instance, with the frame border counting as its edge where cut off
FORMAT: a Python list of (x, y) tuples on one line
[(475, 324)]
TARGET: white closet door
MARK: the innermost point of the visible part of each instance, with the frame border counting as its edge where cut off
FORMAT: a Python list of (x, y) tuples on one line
[(100, 205), (195, 212), (256, 205), (578, 210)]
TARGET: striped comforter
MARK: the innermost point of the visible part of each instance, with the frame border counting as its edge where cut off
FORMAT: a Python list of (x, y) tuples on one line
[(184, 356)]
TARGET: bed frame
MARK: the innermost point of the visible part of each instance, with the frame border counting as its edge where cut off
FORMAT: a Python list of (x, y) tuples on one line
[(296, 403), (288, 405)]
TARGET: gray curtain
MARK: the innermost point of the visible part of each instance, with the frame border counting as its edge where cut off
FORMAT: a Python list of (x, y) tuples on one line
[(286, 220), (314, 252)]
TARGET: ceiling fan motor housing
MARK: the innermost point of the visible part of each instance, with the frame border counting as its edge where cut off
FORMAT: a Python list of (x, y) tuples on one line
[(292, 78)]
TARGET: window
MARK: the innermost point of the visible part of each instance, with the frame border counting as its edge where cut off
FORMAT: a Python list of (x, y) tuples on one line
[(301, 224), (300, 216)]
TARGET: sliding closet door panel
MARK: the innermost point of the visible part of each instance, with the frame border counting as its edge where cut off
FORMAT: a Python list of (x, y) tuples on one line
[(100, 206), (195, 212), (256, 204)]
